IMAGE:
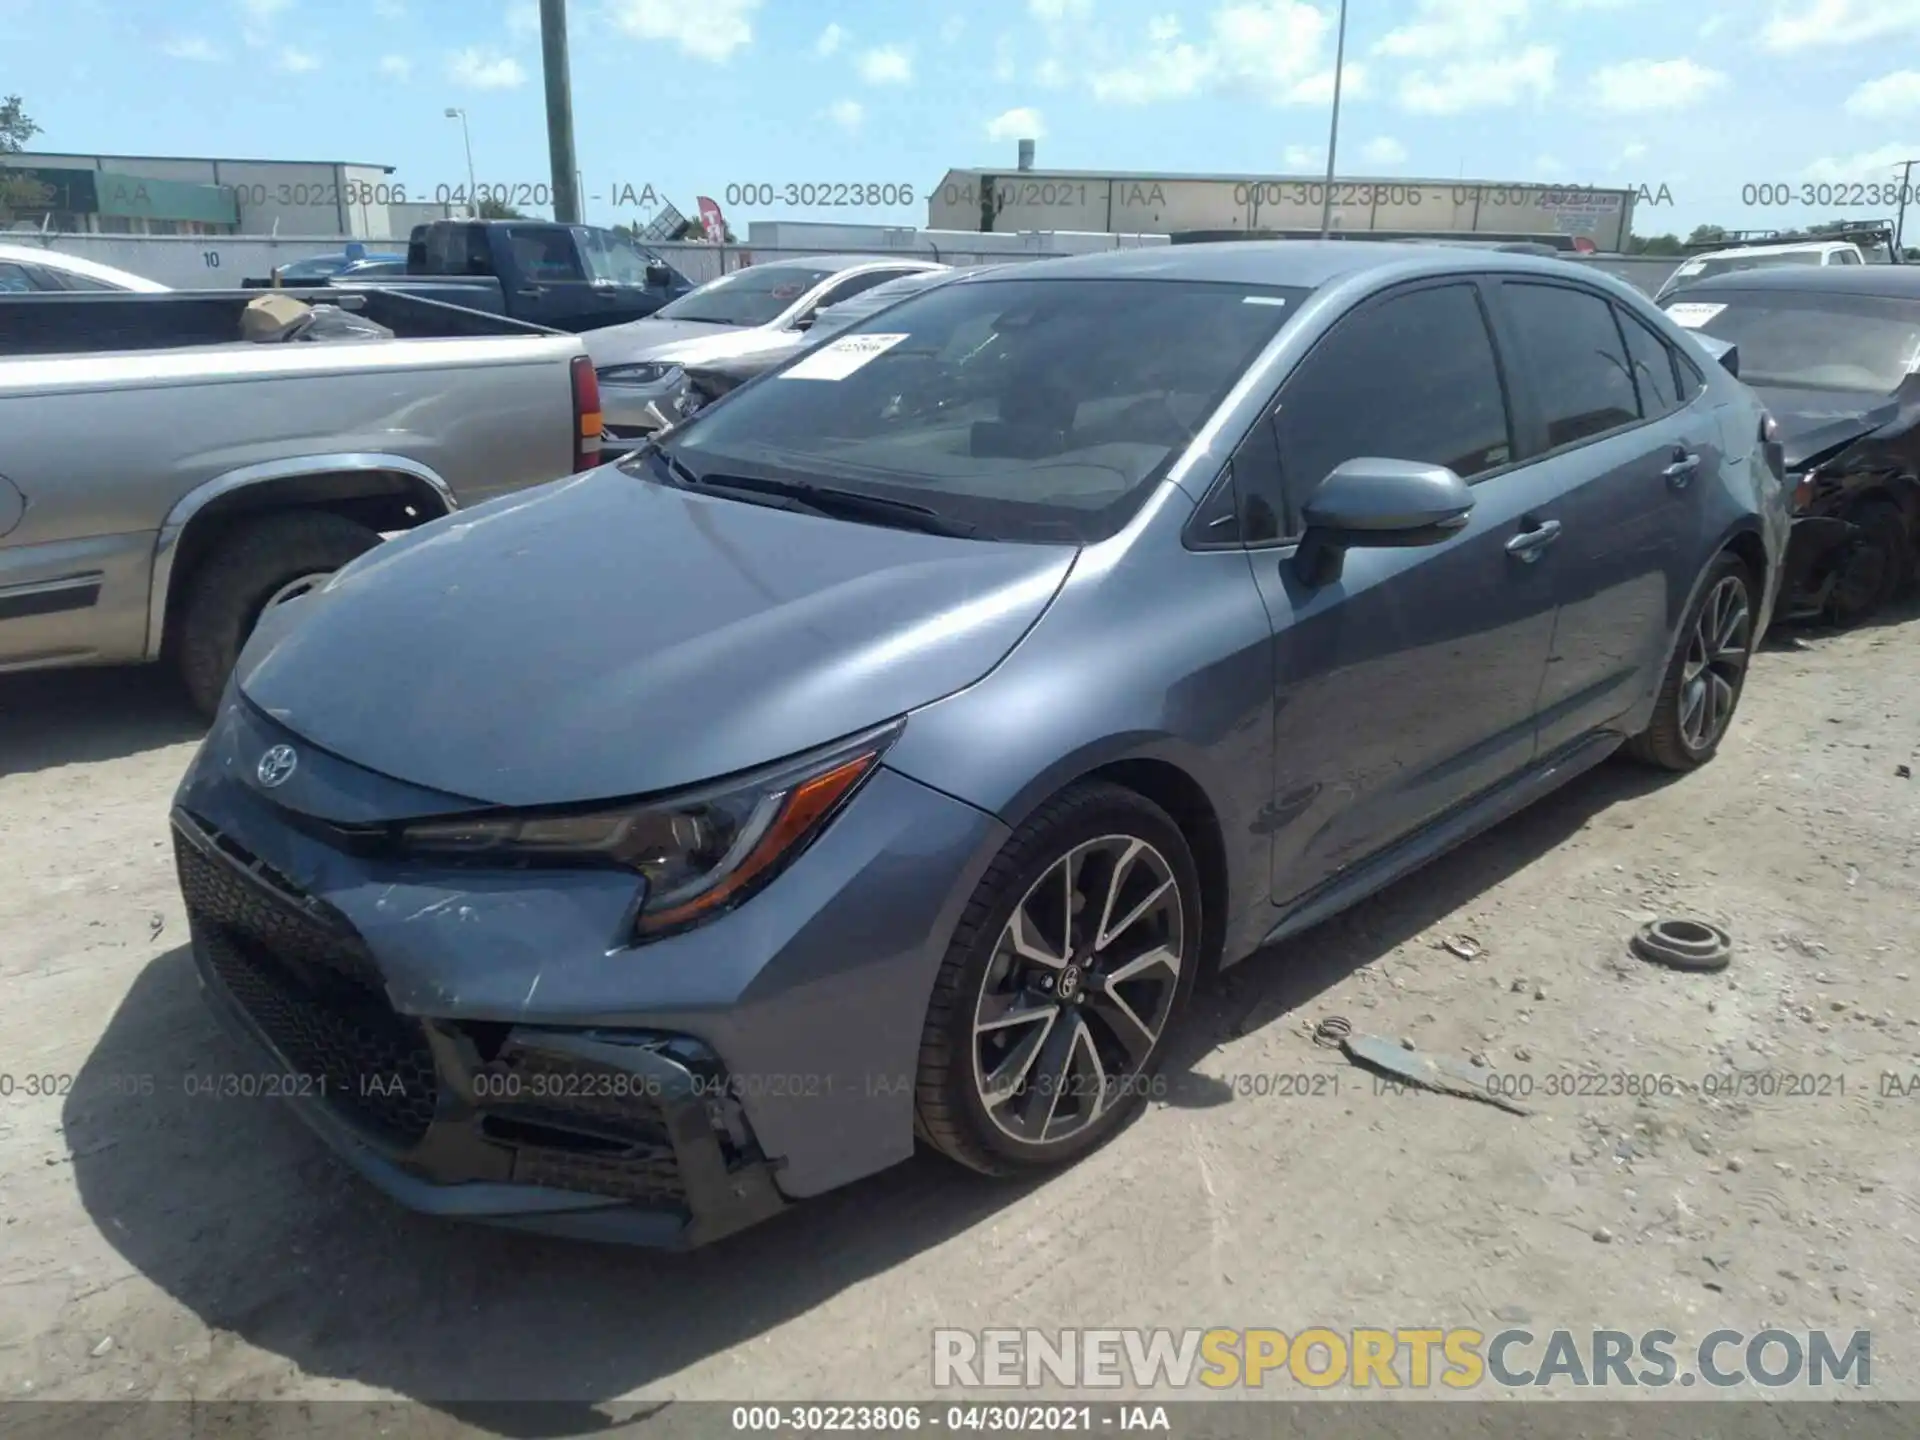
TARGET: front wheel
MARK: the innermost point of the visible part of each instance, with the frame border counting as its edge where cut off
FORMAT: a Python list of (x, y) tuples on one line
[(259, 563), (1876, 569), (1707, 674), (1067, 971)]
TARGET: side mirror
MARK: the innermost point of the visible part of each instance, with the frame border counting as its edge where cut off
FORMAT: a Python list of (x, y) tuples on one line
[(803, 324), (659, 277), (1372, 503), (1725, 351)]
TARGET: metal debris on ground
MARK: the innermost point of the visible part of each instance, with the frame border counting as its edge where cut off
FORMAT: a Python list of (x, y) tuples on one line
[(1332, 1032), (1684, 944), (1429, 1072), (1465, 946)]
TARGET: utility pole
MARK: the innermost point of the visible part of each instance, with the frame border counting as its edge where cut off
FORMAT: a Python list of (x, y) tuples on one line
[(1900, 225), (454, 112), (1333, 135), (553, 56)]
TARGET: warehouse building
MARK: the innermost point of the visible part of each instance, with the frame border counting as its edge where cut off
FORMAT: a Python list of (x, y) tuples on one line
[(1189, 206), (173, 195)]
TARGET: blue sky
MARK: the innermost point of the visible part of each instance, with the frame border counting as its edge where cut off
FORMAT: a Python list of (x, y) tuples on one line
[(690, 96)]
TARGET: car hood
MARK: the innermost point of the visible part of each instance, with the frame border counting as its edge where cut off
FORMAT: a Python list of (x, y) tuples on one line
[(1814, 422), (678, 341), (606, 636)]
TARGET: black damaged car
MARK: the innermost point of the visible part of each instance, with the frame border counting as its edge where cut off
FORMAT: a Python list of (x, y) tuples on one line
[(1834, 352)]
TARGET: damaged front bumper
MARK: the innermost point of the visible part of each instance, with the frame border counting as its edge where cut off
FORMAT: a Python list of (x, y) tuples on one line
[(1817, 552), (630, 1136)]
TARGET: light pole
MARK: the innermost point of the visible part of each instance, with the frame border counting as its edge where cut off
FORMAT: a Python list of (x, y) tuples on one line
[(454, 112), (1900, 225), (1333, 133)]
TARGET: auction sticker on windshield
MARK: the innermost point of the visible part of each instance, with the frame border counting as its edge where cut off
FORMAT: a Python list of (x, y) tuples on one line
[(1694, 314), (842, 357)]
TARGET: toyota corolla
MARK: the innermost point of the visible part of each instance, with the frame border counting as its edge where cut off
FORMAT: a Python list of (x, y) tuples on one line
[(880, 756)]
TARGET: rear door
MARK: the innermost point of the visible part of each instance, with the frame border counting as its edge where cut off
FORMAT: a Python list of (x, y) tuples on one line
[(1408, 686), (1603, 420)]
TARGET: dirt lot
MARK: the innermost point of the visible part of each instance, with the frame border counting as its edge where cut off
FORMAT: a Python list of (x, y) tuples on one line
[(166, 1246)]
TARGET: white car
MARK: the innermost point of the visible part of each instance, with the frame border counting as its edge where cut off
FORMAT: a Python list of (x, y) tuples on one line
[(32, 270), (765, 307), (1758, 257)]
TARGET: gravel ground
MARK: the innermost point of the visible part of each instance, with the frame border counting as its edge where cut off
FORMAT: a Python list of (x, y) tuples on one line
[(166, 1246)]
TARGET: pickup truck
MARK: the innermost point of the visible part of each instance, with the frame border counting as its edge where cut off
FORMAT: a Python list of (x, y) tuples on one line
[(565, 277), (163, 481)]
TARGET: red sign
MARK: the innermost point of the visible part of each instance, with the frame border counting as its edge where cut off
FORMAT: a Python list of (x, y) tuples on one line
[(711, 220)]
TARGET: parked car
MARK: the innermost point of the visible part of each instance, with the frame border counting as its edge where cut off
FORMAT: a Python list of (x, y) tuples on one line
[(32, 270), (565, 277), (316, 269), (1834, 354), (882, 752), (1813, 253), (767, 308), (163, 483), (705, 381)]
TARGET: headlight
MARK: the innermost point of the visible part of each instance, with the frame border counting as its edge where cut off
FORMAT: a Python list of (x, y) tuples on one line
[(649, 374), (699, 853)]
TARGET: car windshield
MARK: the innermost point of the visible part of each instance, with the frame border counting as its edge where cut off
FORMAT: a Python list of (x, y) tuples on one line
[(753, 296), (1727, 264), (315, 269), (1036, 410), (836, 318), (1860, 343)]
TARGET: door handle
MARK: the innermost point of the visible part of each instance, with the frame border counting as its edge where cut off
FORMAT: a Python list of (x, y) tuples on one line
[(1682, 469), (1528, 544)]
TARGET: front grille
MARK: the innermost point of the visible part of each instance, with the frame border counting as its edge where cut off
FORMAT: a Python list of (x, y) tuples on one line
[(306, 979), (645, 1177), (261, 905), (559, 1089), (371, 1064)]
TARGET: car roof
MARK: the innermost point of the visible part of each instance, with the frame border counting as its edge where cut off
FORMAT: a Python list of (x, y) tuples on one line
[(836, 263), (1889, 281), (1307, 264), (1796, 247), (78, 265)]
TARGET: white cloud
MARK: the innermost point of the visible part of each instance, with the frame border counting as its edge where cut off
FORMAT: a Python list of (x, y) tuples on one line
[(1636, 86), (952, 28), (296, 61), (1054, 11), (190, 47), (1634, 151), (523, 18), (1454, 27), (1051, 75), (1894, 94), (1549, 165), (1305, 157), (1384, 150), (1803, 24), (485, 70), (847, 114), (257, 17), (709, 30), (1004, 65), (1024, 123), (1356, 83), (397, 67), (830, 40), (1481, 84), (1881, 164), (1266, 48), (886, 65)]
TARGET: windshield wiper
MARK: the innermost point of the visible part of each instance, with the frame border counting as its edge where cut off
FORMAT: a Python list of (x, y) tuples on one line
[(844, 504)]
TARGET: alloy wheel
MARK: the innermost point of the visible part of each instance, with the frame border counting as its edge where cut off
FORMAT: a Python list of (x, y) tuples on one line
[(1717, 655), (1078, 990)]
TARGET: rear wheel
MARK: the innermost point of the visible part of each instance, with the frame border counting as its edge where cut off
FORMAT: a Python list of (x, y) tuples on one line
[(1072, 962), (1707, 674), (258, 563), (1877, 568)]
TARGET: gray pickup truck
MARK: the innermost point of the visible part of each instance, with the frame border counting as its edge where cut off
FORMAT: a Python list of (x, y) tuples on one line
[(162, 481)]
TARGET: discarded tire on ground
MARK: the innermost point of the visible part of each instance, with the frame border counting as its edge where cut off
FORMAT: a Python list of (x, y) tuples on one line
[(1684, 944)]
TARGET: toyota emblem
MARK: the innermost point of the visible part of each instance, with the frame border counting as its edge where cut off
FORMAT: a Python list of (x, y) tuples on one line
[(276, 766)]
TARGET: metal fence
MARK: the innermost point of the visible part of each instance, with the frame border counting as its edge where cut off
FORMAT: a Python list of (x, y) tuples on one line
[(213, 262)]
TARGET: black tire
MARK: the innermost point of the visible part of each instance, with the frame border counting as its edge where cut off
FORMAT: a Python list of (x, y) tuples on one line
[(232, 586), (950, 1113), (1665, 742), (1879, 567)]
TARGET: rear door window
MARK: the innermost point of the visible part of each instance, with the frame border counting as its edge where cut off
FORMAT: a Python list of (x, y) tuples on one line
[(1574, 358), (1653, 368)]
